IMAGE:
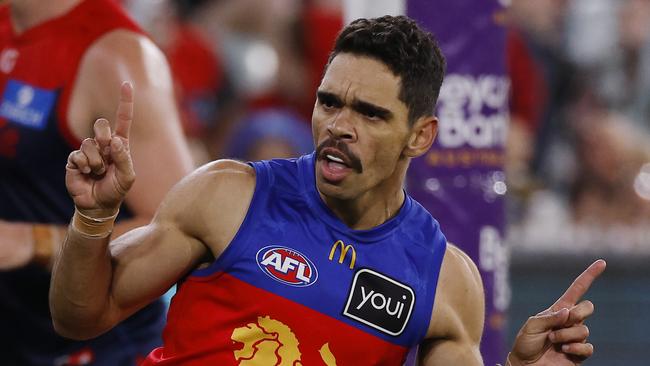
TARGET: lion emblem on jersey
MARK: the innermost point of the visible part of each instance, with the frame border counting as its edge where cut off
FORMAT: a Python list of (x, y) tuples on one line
[(270, 342)]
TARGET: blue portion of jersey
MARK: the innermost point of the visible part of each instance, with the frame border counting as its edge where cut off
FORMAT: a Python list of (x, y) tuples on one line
[(32, 185), (32, 180), (390, 290), (26, 105)]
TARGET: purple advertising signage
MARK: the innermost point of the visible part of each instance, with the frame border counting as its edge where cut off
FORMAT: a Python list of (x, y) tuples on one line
[(461, 180)]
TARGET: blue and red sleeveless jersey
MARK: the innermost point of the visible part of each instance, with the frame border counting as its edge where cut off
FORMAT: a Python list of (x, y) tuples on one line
[(38, 69), (297, 286)]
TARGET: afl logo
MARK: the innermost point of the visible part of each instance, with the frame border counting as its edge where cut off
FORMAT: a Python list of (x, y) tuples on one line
[(287, 266)]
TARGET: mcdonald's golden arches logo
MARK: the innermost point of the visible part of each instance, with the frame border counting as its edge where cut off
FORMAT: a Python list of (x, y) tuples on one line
[(344, 251)]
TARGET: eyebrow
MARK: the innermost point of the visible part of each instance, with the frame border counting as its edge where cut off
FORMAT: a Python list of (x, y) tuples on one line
[(324, 96), (369, 108), (358, 105)]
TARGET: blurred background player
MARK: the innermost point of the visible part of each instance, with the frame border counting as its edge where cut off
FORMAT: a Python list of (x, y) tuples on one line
[(61, 66), (268, 134)]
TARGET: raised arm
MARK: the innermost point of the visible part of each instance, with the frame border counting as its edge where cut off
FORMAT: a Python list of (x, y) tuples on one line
[(456, 325), (94, 285)]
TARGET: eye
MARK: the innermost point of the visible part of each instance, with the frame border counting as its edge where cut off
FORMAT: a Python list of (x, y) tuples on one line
[(371, 115), (371, 112), (327, 103)]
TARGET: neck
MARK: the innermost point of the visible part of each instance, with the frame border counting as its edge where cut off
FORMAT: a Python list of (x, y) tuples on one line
[(26, 14), (373, 207)]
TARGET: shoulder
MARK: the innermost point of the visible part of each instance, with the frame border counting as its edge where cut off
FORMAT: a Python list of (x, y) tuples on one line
[(220, 180), (124, 53), (457, 264), (211, 203), (459, 309), (117, 56), (226, 177)]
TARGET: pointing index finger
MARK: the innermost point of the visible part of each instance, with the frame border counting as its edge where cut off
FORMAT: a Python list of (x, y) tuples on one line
[(124, 114), (580, 286)]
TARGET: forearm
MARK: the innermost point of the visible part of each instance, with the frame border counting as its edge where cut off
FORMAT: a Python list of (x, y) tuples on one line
[(48, 238), (80, 291)]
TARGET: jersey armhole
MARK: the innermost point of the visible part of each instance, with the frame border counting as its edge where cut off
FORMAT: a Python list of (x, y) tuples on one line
[(263, 180), (62, 110)]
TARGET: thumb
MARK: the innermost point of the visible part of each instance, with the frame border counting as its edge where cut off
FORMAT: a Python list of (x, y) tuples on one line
[(545, 322), (124, 172)]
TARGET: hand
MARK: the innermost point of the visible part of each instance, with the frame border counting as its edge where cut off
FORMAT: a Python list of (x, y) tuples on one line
[(100, 173), (16, 245), (557, 335)]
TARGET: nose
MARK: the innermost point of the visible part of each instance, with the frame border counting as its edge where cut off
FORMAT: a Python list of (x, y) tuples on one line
[(341, 126)]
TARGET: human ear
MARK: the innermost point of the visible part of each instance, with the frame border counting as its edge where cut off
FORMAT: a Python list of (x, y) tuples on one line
[(423, 133)]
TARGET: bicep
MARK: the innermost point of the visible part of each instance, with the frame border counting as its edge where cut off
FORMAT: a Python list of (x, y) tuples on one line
[(147, 261), (456, 325)]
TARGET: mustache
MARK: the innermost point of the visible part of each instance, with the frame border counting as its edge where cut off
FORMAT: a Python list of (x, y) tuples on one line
[(351, 159)]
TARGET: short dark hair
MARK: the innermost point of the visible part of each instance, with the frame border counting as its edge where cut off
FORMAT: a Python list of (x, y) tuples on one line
[(409, 52)]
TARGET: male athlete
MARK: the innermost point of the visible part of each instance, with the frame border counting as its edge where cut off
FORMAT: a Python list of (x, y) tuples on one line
[(319, 260), (61, 64)]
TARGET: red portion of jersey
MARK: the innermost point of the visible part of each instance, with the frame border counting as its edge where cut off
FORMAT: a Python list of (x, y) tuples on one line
[(62, 41), (221, 320)]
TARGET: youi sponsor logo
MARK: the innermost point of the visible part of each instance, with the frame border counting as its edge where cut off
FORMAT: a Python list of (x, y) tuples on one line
[(380, 302), (287, 266)]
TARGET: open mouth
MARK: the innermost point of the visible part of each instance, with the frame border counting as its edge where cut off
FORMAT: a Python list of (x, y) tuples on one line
[(341, 157), (334, 166), (335, 162)]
